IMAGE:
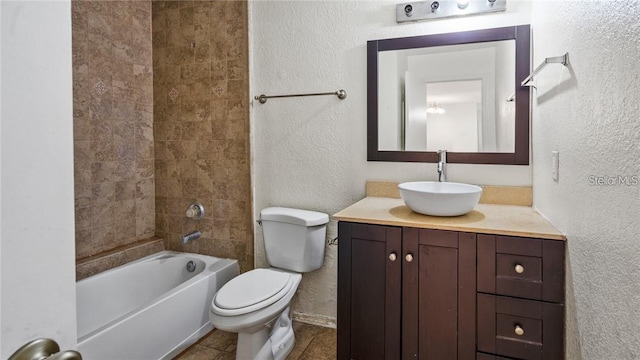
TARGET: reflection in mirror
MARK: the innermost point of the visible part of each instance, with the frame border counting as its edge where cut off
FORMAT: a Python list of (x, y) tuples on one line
[(454, 118), (457, 91), (448, 97)]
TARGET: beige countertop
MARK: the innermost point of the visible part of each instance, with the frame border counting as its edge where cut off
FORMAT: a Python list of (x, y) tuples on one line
[(496, 219)]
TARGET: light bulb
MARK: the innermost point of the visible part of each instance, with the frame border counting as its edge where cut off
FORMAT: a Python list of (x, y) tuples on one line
[(462, 4), (434, 108)]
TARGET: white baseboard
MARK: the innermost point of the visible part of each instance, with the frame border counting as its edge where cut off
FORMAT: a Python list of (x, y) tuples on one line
[(314, 319)]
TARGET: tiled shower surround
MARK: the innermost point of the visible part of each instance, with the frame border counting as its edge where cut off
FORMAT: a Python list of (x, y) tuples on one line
[(160, 121), (201, 126), (113, 125)]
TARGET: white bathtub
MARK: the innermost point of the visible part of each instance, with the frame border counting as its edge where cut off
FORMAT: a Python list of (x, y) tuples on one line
[(152, 308)]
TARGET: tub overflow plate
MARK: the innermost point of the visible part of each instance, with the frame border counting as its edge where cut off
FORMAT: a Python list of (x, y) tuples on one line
[(191, 266)]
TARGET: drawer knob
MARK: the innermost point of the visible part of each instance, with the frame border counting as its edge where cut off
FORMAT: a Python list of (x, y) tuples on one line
[(393, 256), (409, 257), (519, 330), (519, 269)]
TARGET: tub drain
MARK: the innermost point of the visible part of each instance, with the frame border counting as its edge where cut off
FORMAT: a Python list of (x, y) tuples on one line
[(191, 266)]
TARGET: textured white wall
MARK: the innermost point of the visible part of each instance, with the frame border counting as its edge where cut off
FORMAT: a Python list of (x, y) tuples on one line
[(37, 224), (311, 152), (590, 112)]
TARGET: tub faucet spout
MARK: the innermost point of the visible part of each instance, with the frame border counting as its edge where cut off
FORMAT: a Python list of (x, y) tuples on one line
[(194, 235), (442, 166)]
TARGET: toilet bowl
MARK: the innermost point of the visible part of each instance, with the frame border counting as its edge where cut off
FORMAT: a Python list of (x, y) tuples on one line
[(256, 304), (248, 303), (254, 320)]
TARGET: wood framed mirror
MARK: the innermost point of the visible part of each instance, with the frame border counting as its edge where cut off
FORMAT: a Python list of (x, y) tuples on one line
[(458, 92)]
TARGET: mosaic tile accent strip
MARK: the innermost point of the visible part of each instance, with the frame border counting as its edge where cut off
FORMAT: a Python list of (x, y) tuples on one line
[(100, 87), (219, 90), (173, 94)]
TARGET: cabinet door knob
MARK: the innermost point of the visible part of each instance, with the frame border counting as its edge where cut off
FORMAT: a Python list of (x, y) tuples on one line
[(409, 257), (519, 268), (519, 330), (393, 256)]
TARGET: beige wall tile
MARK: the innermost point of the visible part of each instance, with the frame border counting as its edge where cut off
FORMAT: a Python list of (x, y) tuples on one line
[(196, 143), (113, 140), (144, 153)]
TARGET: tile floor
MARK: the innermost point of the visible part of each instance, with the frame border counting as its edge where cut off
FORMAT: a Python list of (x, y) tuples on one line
[(312, 343)]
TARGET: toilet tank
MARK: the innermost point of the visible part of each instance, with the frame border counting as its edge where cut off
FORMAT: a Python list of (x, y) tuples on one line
[(294, 239)]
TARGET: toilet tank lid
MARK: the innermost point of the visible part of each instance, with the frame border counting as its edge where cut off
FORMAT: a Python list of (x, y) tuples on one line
[(294, 216)]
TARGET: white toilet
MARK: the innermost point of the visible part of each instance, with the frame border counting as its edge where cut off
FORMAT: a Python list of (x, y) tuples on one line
[(294, 242)]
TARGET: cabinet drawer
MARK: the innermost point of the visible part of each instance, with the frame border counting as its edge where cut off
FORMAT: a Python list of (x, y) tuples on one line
[(522, 329), (521, 267)]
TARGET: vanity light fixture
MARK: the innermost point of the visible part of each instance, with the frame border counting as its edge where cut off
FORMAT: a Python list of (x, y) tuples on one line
[(434, 108), (438, 9)]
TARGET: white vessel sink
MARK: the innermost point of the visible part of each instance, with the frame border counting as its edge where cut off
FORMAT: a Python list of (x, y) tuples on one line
[(440, 198)]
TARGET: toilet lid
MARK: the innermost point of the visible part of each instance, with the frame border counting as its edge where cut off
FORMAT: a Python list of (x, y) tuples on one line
[(252, 288)]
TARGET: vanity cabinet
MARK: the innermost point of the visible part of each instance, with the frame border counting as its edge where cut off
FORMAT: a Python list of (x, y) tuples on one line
[(410, 293), (405, 293)]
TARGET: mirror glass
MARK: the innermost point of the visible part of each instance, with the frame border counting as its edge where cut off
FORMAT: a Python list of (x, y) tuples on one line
[(458, 92), (454, 97)]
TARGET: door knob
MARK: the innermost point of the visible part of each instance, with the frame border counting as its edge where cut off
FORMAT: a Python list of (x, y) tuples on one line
[(42, 349), (393, 256), (409, 257)]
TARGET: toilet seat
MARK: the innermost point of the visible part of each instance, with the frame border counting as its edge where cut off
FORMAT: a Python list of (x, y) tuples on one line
[(251, 291)]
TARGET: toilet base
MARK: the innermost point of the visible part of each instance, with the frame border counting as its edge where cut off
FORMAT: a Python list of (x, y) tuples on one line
[(273, 343)]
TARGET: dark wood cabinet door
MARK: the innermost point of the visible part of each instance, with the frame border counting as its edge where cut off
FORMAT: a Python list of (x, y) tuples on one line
[(409, 293), (369, 291), (439, 290)]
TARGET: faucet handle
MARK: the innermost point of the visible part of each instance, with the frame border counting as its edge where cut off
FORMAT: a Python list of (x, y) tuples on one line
[(195, 211)]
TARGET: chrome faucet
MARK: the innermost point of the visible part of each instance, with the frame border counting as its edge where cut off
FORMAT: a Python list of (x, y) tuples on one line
[(442, 166), (194, 235)]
